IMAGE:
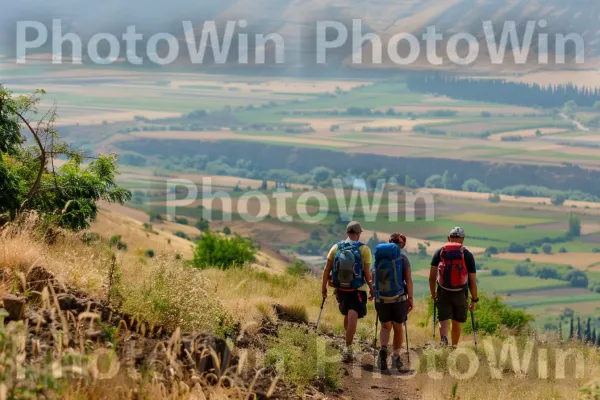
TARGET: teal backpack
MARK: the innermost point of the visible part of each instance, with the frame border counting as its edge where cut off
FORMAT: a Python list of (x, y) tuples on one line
[(387, 271), (347, 272)]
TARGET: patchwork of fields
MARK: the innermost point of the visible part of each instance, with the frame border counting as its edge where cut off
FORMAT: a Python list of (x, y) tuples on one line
[(353, 116)]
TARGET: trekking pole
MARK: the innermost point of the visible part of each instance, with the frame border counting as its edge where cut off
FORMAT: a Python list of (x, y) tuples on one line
[(473, 327), (375, 339), (319, 319), (434, 312), (406, 334)]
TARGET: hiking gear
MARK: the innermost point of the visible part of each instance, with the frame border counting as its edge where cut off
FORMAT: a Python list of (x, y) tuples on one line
[(457, 232), (406, 335), (397, 363), (376, 323), (354, 227), (452, 270), (434, 312), (444, 341), (347, 271), (347, 355), (387, 273), (473, 328), (382, 359), (474, 300), (319, 319)]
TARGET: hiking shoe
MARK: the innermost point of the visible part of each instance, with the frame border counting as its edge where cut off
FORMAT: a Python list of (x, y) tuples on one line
[(397, 363), (347, 355), (444, 341), (382, 359)]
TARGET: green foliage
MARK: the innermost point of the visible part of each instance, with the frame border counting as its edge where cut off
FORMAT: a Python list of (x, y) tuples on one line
[(202, 225), (473, 185), (149, 253), (213, 250), (182, 221), (491, 314), (558, 199), (547, 248), (227, 231), (434, 181), (295, 355), (182, 235), (574, 225), (494, 197), (299, 268)]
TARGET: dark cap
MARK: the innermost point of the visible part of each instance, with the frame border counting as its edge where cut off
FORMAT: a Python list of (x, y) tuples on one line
[(457, 232), (354, 227)]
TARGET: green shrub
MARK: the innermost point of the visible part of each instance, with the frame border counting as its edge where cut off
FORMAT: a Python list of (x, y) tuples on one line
[(227, 231), (202, 225), (491, 314), (295, 354), (182, 221), (223, 253), (299, 268), (149, 253)]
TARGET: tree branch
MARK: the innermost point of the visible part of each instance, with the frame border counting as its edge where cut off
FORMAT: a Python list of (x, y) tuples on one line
[(42, 158)]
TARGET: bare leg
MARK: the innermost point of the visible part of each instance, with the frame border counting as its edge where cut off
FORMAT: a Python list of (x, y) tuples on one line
[(352, 321), (456, 331), (444, 328), (384, 334), (398, 338)]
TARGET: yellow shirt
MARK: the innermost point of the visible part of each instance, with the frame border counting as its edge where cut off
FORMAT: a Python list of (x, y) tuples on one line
[(365, 255)]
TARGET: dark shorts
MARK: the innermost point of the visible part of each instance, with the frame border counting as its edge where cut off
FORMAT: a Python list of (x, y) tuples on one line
[(356, 300), (394, 312), (452, 305)]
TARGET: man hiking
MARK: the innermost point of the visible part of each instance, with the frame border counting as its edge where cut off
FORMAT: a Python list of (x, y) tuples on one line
[(348, 271), (453, 271), (392, 281)]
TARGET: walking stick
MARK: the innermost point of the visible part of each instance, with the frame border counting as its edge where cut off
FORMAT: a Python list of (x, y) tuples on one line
[(375, 339), (473, 327), (319, 319), (434, 317), (406, 334)]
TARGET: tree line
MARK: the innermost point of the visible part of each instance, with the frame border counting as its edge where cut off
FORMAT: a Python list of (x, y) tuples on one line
[(502, 91)]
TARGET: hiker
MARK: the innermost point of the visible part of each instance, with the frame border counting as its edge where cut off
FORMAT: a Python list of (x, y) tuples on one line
[(348, 271), (393, 286), (453, 272)]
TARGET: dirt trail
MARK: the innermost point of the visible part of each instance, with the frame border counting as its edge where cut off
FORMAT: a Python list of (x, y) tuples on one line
[(362, 380)]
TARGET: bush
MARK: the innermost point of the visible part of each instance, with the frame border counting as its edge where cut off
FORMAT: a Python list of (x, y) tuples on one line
[(182, 235), (223, 253), (523, 270), (299, 268), (149, 253), (202, 225), (295, 354), (558, 199), (562, 250), (547, 248), (534, 251), (577, 278), (492, 250), (182, 221), (227, 231), (497, 272), (492, 314), (516, 248)]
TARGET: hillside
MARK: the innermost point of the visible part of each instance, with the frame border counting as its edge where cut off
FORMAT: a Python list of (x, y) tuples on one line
[(295, 20)]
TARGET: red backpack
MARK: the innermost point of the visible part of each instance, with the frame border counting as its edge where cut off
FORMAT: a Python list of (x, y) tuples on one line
[(452, 270)]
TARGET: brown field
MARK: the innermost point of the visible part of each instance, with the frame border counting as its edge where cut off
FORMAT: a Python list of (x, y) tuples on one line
[(577, 260), (87, 116), (412, 243), (406, 124), (467, 109), (223, 135), (136, 174), (527, 133), (526, 200), (581, 78)]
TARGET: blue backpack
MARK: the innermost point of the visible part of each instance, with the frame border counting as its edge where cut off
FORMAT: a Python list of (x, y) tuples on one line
[(387, 271), (347, 272)]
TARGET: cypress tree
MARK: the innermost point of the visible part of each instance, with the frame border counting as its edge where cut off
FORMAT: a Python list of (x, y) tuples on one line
[(594, 336), (571, 331), (588, 330), (560, 330), (578, 328)]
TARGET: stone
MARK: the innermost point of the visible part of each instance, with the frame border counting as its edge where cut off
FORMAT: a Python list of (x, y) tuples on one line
[(67, 301), (15, 306)]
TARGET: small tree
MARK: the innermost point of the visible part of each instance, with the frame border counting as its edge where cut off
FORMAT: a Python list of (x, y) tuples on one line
[(213, 251), (558, 199), (547, 248), (202, 225), (494, 197), (149, 253), (227, 231), (574, 225)]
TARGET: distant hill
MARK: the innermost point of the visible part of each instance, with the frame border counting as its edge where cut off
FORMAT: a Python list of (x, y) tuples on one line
[(295, 20)]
